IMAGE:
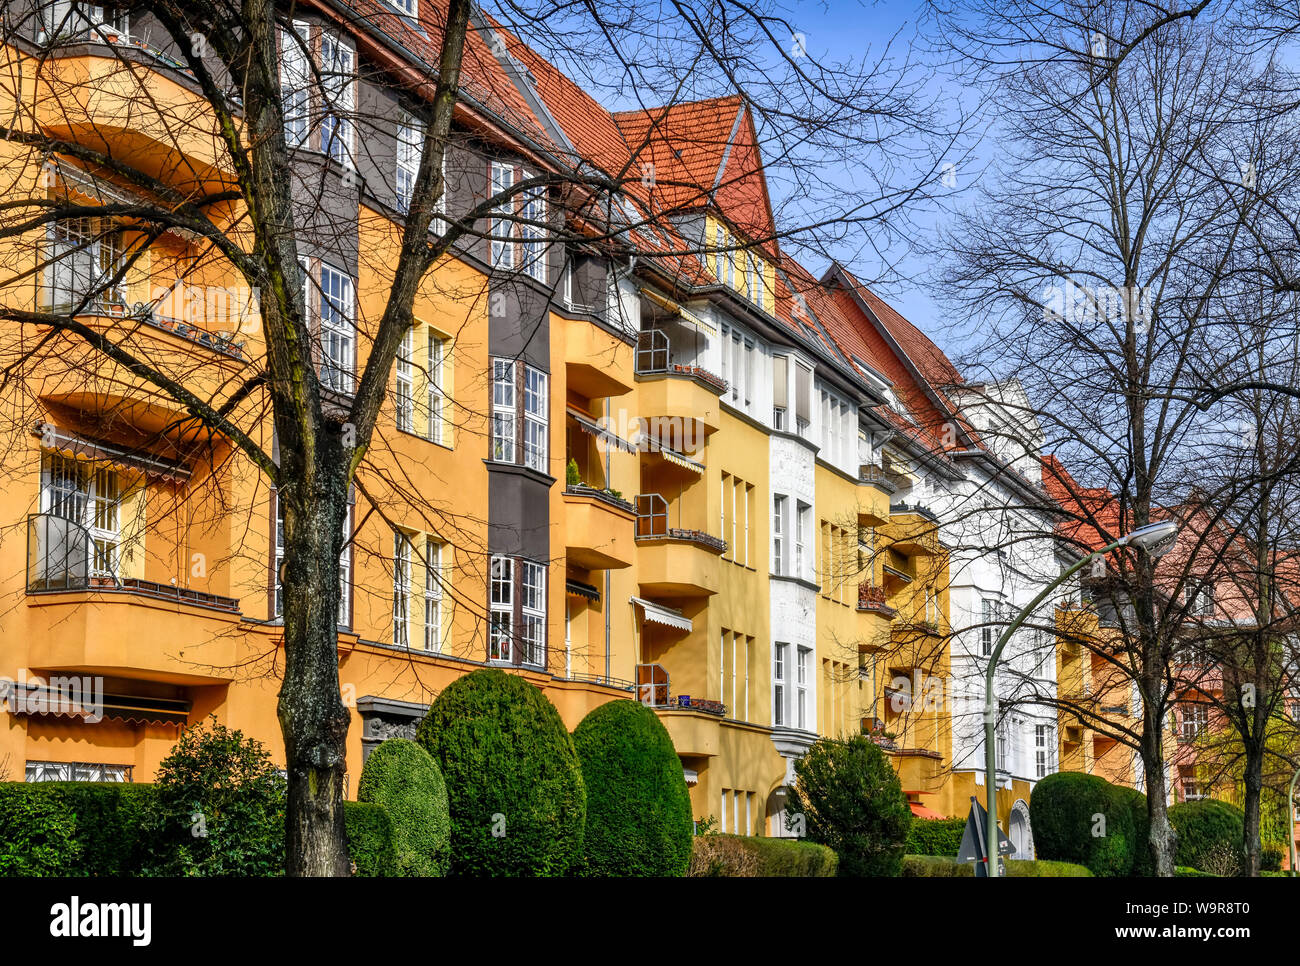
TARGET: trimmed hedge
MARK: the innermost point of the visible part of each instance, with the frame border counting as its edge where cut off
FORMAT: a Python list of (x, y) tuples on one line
[(851, 800), (935, 836), (638, 808), (1143, 865), (514, 786), (71, 828), (1204, 828), (372, 841), (939, 867), (400, 776), (1063, 812), (749, 856)]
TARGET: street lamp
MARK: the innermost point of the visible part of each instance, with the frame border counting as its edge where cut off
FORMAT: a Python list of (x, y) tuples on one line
[(1290, 824), (1155, 539)]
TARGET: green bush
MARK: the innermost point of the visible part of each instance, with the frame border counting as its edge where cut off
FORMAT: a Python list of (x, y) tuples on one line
[(748, 856), (38, 833), (1021, 869), (1187, 872), (935, 867), (1137, 808), (1063, 812), (1209, 835), (638, 809), (400, 776), (1270, 858), (72, 828), (935, 836), (514, 786), (218, 808), (852, 801), (371, 840)]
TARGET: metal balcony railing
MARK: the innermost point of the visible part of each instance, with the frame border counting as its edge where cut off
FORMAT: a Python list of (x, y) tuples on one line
[(652, 524), (654, 356)]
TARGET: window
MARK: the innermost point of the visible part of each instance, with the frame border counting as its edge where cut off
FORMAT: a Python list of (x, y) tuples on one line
[(719, 242), (62, 18), (804, 658), (517, 603), (83, 257), (295, 83), (434, 361), (566, 285), (90, 497), (1201, 601), (338, 93), (780, 391), (502, 247), (401, 590), (404, 402), (338, 330), (432, 596), (76, 771), (802, 521), (535, 419), (989, 613), (502, 607), (532, 232), (1196, 719), (1002, 741), (410, 138), (403, 6), (1192, 790), (778, 528), (345, 564), (1044, 750), (778, 684), (802, 399), (503, 411)]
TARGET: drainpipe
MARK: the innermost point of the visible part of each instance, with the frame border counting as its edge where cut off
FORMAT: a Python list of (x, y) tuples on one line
[(608, 480), (1290, 804)]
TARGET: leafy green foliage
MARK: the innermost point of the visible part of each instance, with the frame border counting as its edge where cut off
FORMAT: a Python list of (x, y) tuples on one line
[(638, 807), (514, 786), (1041, 868), (371, 840), (1210, 833), (1081, 819), (218, 809), (935, 836), (941, 867), (852, 801), (1143, 864), (571, 475), (400, 776), (38, 833)]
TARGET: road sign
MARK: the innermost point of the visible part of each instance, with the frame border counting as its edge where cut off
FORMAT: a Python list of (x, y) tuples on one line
[(972, 841)]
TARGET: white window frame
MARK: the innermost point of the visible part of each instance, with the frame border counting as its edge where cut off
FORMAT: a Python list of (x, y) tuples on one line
[(780, 657), (779, 503), (410, 141), (502, 244), (407, 8), (91, 496), (338, 67), (501, 605), (402, 554), (802, 656), (802, 517), (532, 237), (336, 310), (345, 565), (404, 384), (532, 606), (432, 595), (435, 360), (295, 83), (536, 419), (505, 410)]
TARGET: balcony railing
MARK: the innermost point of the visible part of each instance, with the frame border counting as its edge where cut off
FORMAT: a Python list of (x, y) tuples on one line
[(654, 356), (876, 475), (921, 511), (63, 555), (872, 598), (605, 496), (652, 524)]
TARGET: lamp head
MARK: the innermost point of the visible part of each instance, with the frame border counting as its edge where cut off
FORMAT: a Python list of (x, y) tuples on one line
[(1155, 538)]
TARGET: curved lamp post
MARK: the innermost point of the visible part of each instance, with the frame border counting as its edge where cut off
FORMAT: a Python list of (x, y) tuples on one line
[(1155, 539), (1290, 804)]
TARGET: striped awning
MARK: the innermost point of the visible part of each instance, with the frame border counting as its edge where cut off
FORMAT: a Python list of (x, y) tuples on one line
[(686, 315), (78, 703), (672, 456), (61, 441), (691, 775), (576, 588), (593, 428), (660, 614)]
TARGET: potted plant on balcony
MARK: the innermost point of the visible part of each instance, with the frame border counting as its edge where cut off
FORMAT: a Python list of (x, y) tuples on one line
[(571, 475)]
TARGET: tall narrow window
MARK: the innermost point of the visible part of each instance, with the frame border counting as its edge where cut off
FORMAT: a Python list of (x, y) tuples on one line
[(88, 497), (533, 610), (780, 656), (988, 632), (720, 242), (802, 399), (404, 403), (435, 401), (780, 391), (295, 83), (778, 534), (338, 330), (535, 419), (432, 596), (802, 519), (503, 410), (401, 589), (503, 247), (410, 138), (532, 232), (338, 92), (803, 658), (502, 607)]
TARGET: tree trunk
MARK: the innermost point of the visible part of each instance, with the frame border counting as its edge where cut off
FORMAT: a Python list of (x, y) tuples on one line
[(1254, 782), (1162, 841), (313, 719)]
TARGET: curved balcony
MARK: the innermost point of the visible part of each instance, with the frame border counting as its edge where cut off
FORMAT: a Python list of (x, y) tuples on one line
[(600, 529), (674, 561), (679, 400)]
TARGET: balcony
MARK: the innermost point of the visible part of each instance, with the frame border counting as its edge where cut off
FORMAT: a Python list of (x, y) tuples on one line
[(914, 531), (871, 599), (600, 528), (597, 363), (674, 561), (680, 400)]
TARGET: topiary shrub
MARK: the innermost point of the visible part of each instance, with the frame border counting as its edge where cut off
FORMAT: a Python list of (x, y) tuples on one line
[(852, 801), (38, 833), (1078, 818), (218, 809), (1042, 869), (1210, 832), (400, 776), (638, 809), (514, 786), (1143, 865), (935, 836), (792, 858), (371, 840)]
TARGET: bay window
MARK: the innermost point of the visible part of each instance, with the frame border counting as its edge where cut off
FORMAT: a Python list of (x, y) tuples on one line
[(338, 95), (502, 245), (83, 256), (410, 138), (532, 232), (520, 414)]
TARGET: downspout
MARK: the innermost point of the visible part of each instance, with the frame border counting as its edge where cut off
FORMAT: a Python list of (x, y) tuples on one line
[(608, 480)]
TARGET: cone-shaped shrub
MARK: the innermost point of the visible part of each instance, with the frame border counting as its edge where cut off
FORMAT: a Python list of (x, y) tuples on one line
[(400, 776)]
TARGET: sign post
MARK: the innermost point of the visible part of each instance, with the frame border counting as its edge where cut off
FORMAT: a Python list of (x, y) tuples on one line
[(973, 847)]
